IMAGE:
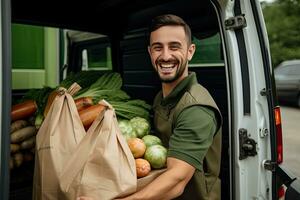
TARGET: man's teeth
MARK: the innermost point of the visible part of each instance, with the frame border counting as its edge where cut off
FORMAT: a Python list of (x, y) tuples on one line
[(167, 65), (167, 69)]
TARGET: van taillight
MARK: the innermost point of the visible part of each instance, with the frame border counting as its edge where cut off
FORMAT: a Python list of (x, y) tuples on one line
[(278, 135), (281, 192)]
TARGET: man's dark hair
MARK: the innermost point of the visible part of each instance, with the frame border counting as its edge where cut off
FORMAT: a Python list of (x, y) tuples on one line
[(170, 20)]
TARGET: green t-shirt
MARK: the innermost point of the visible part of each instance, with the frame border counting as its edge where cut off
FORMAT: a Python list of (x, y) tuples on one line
[(188, 122), (192, 135)]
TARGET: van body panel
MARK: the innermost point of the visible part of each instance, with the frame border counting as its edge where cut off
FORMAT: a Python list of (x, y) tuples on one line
[(249, 171)]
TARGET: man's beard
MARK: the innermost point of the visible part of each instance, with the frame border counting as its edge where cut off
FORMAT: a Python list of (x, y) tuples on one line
[(179, 71)]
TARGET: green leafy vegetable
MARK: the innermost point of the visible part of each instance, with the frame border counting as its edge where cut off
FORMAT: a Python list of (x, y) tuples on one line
[(131, 109), (107, 87)]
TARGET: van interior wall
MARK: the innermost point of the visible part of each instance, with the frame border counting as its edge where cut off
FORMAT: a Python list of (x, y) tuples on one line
[(140, 81)]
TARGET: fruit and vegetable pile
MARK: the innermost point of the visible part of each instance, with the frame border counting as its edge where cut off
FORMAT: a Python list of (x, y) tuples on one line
[(147, 149), (22, 133), (29, 112)]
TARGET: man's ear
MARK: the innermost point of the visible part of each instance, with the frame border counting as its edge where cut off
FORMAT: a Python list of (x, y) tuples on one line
[(149, 50), (191, 51)]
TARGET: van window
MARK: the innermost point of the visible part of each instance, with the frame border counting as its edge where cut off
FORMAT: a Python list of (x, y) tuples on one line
[(35, 56), (96, 57), (91, 50)]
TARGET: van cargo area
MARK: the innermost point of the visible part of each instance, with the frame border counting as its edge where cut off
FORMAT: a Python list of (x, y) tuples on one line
[(126, 34)]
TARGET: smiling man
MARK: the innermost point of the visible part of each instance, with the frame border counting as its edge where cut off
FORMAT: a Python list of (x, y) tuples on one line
[(185, 117)]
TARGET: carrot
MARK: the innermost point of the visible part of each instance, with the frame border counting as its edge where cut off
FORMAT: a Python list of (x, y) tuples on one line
[(50, 100), (89, 114), (23, 110), (83, 102), (22, 134), (16, 125), (14, 148)]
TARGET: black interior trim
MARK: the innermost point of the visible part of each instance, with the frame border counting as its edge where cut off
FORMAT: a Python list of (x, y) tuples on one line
[(228, 150), (5, 98)]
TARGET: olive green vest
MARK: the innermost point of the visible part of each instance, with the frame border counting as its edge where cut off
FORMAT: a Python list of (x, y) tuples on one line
[(204, 184)]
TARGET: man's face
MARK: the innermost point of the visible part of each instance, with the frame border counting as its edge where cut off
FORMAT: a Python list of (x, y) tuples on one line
[(170, 53)]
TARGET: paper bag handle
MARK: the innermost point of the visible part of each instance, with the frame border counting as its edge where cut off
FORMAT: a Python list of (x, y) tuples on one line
[(73, 89)]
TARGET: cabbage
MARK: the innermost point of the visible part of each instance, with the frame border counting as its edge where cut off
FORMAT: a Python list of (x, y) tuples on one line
[(141, 126), (150, 140), (156, 155), (126, 129)]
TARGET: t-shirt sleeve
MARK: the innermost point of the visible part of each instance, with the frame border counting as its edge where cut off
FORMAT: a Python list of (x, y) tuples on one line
[(192, 135)]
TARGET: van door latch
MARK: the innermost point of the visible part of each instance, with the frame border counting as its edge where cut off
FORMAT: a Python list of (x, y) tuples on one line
[(247, 145), (269, 165), (236, 22)]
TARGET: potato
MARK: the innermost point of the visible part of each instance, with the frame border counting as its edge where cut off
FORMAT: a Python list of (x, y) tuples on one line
[(18, 159), (22, 134), (28, 144), (17, 125), (14, 148)]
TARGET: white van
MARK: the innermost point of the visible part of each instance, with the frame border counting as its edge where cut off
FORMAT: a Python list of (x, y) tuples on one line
[(232, 61)]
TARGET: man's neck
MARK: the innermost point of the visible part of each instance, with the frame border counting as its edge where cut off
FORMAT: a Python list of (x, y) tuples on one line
[(167, 88)]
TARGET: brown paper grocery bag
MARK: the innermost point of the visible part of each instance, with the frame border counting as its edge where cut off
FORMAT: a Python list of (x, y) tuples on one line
[(71, 163), (107, 167), (56, 140)]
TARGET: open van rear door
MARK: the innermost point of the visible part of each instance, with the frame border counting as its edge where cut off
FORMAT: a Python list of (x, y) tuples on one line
[(5, 95), (260, 103)]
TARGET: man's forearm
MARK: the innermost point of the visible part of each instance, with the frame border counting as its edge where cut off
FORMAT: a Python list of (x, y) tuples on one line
[(168, 185), (164, 187)]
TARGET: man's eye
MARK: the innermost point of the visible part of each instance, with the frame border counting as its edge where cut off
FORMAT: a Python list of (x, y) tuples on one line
[(173, 48), (157, 48)]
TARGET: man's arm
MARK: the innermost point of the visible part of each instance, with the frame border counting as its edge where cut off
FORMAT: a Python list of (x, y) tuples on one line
[(168, 185)]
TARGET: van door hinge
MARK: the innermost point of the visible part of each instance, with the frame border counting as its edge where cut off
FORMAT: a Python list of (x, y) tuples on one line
[(269, 165), (236, 22), (247, 145)]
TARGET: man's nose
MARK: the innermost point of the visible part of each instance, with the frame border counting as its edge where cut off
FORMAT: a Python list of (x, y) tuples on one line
[(166, 54)]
